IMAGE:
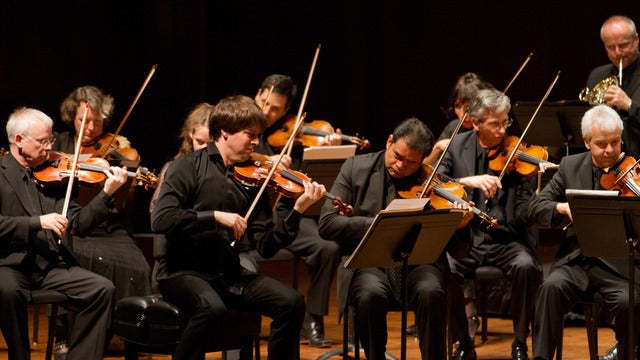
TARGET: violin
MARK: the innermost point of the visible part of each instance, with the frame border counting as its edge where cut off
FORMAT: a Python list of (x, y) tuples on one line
[(442, 194), (287, 182), (526, 160), (623, 176), (92, 170), (312, 133), (111, 147)]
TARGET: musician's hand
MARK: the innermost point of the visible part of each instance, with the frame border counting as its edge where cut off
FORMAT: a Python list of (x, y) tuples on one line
[(563, 208), (333, 139), (284, 164), (467, 216), (489, 184), (544, 165), (312, 193), (116, 177), (54, 222), (233, 221), (615, 96)]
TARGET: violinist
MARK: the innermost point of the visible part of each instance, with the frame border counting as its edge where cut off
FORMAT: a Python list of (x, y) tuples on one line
[(574, 276), (465, 88), (109, 249), (511, 245), (620, 39), (370, 182), (34, 245), (200, 210), (321, 255)]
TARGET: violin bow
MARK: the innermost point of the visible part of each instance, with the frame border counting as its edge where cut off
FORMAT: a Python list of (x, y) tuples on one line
[(133, 104), (74, 166), (299, 120), (524, 63), (515, 148)]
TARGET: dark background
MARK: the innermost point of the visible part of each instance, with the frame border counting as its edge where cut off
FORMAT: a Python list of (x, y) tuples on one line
[(380, 61)]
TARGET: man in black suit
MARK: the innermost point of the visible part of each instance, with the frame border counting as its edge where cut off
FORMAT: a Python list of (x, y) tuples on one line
[(510, 246), (369, 183), (33, 242), (620, 39), (573, 275)]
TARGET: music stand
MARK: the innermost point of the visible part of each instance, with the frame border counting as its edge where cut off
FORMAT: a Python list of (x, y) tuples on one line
[(322, 164), (556, 124), (408, 237), (601, 215)]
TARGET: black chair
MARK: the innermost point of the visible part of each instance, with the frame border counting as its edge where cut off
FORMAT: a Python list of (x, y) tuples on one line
[(148, 324), (55, 299), (484, 275), (591, 311)]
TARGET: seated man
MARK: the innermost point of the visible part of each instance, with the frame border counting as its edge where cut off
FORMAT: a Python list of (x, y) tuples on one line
[(573, 275), (34, 237), (369, 183)]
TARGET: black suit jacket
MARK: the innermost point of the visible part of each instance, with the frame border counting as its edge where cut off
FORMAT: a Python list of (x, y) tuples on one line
[(508, 206), (631, 85), (20, 228), (575, 172)]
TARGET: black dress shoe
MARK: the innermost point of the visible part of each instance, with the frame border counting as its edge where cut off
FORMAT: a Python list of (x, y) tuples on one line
[(612, 354), (465, 350), (313, 331), (519, 351)]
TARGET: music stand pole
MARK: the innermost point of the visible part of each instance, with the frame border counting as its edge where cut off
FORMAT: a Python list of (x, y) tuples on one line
[(628, 227), (403, 254)]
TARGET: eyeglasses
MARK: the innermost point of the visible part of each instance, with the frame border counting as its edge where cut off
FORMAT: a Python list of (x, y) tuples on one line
[(42, 142), (495, 125)]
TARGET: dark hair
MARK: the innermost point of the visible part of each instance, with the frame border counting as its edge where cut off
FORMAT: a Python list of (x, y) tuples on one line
[(466, 88), (234, 114), (282, 84), (415, 134)]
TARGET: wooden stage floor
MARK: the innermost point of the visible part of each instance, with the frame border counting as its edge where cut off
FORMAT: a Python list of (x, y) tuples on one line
[(497, 347)]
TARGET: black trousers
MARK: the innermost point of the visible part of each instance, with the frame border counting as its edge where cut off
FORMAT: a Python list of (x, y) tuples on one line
[(205, 300), (322, 256), (522, 268), (372, 296), (90, 293), (570, 283)]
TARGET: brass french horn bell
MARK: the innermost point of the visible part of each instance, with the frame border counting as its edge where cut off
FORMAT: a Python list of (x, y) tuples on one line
[(595, 96)]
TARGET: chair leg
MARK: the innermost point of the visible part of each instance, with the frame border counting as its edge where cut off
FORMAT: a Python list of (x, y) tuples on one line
[(590, 316), (52, 329), (559, 348), (36, 323), (485, 320)]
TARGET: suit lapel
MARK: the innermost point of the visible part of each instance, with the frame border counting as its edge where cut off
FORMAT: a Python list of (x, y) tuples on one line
[(14, 177)]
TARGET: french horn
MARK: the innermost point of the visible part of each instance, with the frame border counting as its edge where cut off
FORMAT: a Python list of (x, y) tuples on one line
[(595, 96)]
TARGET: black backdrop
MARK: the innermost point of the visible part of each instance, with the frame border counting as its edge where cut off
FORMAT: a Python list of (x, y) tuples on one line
[(380, 62)]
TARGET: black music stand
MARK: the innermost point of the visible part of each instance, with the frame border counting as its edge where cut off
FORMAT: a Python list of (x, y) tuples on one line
[(322, 164), (601, 215), (557, 124), (405, 237)]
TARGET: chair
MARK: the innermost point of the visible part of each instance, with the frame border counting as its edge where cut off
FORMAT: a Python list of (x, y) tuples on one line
[(591, 311), (55, 299), (484, 275), (283, 255), (148, 324)]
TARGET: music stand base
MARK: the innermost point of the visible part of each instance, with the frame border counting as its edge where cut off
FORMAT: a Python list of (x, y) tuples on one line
[(338, 352)]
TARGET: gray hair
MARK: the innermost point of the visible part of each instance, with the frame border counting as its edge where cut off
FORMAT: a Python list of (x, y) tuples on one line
[(602, 116), (21, 120), (488, 100)]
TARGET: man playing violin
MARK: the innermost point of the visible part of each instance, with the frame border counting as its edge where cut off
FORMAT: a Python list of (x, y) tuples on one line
[(321, 255), (620, 39), (511, 245), (201, 210), (109, 249), (370, 182), (573, 276), (34, 251)]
